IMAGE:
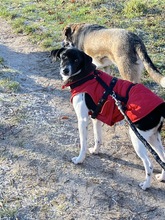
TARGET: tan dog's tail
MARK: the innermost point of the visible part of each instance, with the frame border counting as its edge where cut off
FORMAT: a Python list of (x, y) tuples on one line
[(149, 66)]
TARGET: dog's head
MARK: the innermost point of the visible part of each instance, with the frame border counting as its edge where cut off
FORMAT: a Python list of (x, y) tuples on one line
[(74, 64), (69, 34)]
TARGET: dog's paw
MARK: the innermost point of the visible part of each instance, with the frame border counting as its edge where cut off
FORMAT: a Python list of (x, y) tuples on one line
[(160, 177), (144, 185), (77, 160), (93, 150)]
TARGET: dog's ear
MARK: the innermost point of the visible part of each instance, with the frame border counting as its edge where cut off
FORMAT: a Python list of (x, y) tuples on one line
[(88, 59), (55, 54), (67, 31), (88, 66)]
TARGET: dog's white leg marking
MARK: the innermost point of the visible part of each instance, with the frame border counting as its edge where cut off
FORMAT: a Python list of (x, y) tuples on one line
[(142, 153), (160, 176), (82, 116), (97, 136), (155, 141)]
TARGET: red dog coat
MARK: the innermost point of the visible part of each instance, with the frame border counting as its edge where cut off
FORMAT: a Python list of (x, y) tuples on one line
[(141, 101)]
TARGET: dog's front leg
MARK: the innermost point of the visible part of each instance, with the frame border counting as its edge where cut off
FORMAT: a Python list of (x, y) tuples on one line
[(97, 136), (82, 116)]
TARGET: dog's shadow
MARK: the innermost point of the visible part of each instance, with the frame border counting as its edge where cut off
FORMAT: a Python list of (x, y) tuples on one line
[(98, 164), (120, 161), (123, 162)]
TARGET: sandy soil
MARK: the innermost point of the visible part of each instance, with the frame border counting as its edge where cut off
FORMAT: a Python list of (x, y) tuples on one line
[(38, 138)]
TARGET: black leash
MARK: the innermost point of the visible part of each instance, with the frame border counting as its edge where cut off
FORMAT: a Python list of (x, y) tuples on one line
[(141, 138)]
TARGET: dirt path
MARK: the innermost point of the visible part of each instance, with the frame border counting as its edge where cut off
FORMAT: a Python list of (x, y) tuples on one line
[(37, 179)]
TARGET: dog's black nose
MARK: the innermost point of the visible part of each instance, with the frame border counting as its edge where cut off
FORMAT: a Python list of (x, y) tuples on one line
[(66, 71)]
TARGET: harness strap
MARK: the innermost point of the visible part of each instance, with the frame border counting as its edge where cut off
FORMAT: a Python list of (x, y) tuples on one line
[(108, 91), (81, 81)]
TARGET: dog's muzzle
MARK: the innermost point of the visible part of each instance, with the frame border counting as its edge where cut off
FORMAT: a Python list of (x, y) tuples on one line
[(66, 71)]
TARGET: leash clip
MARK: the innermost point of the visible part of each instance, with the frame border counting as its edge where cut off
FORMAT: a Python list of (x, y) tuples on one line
[(117, 102)]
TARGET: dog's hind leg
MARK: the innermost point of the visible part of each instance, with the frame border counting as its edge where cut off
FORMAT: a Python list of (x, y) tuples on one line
[(156, 143), (130, 71), (97, 125), (142, 153)]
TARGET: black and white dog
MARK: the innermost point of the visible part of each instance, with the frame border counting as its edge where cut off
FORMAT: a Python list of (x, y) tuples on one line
[(90, 89)]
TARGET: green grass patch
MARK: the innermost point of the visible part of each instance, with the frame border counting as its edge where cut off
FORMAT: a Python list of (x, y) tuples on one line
[(8, 213), (1, 60), (135, 8), (7, 85), (44, 20)]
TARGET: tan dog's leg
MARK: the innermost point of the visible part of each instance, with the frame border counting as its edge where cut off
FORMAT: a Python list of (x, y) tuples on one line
[(130, 71)]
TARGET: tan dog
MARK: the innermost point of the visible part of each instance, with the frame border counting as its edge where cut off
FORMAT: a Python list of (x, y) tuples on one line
[(118, 46)]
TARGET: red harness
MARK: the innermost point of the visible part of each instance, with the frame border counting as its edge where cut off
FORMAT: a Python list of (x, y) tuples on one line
[(141, 101)]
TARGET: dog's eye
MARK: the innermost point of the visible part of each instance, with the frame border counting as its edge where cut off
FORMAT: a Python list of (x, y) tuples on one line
[(76, 60)]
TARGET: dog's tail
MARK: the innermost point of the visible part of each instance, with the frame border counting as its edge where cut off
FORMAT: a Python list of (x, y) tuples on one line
[(149, 66)]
